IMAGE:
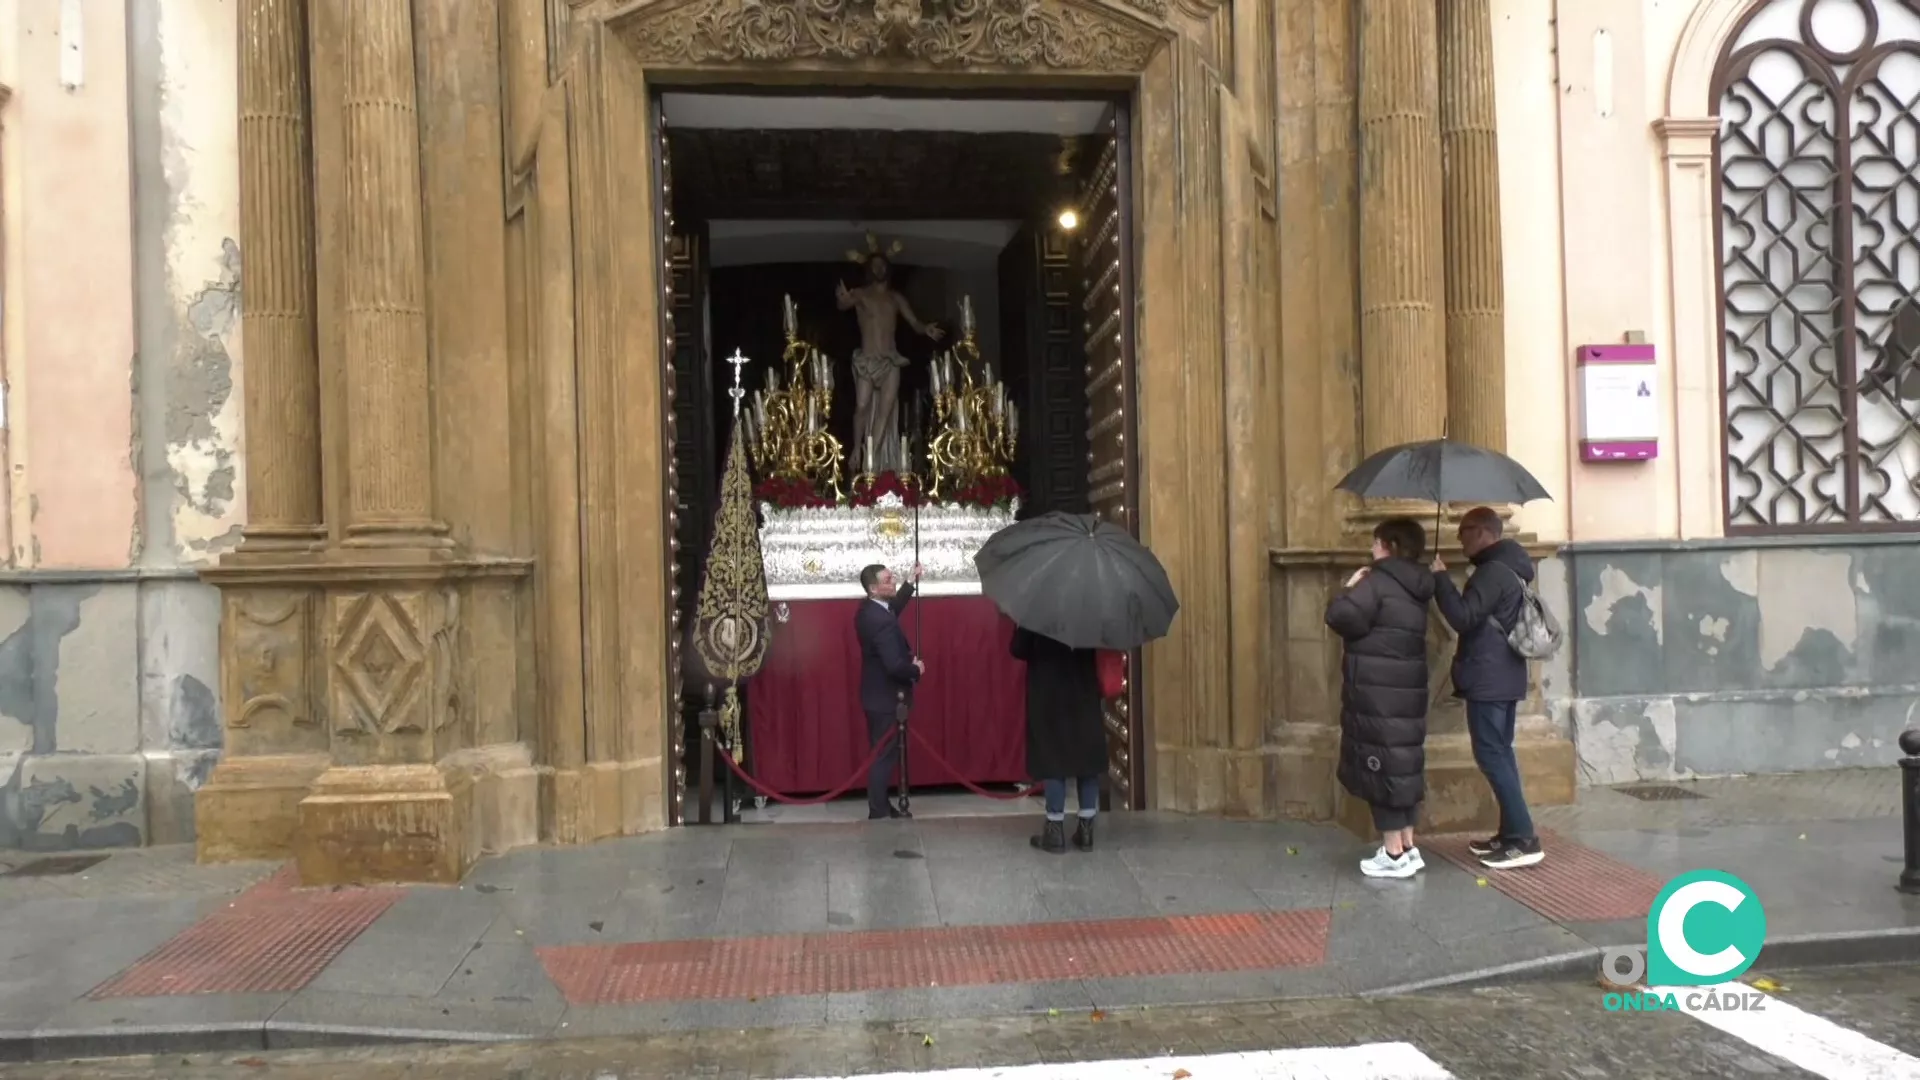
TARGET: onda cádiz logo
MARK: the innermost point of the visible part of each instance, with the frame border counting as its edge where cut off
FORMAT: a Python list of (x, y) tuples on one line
[(1704, 930)]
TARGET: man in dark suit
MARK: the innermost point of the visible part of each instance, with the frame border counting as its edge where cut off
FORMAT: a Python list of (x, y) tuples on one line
[(887, 667)]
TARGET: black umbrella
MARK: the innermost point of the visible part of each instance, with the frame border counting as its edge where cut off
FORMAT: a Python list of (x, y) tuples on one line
[(1078, 580), (1443, 471)]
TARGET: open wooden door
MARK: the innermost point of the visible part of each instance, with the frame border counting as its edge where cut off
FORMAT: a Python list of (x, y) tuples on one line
[(1105, 256), (692, 479), (1040, 344), (695, 444)]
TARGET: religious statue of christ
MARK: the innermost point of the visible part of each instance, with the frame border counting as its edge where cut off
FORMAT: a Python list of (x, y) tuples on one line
[(877, 362)]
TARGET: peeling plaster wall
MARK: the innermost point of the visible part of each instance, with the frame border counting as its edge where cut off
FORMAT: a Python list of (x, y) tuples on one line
[(187, 216), (1730, 657), (108, 714)]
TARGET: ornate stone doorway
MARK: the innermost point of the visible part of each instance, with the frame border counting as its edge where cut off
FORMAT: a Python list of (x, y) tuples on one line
[(1202, 218)]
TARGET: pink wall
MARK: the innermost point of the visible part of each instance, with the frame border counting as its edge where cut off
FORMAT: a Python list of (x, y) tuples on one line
[(70, 240)]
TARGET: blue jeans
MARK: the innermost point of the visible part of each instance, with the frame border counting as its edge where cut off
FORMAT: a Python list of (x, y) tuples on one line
[(1088, 788), (1490, 726)]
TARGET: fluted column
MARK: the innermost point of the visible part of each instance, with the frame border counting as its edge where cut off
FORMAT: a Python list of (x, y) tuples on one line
[(390, 489), (276, 230), (1403, 381), (1476, 334)]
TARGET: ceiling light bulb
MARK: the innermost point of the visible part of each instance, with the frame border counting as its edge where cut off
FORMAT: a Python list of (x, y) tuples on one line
[(1069, 220)]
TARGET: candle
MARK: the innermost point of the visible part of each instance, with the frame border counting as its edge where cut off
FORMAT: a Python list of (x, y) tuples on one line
[(933, 371), (988, 377), (1013, 427), (960, 415), (946, 370), (869, 457), (773, 381), (966, 316), (789, 318), (813, 416), (760, 408)]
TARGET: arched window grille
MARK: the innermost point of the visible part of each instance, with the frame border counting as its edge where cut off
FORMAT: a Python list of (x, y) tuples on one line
[(1819, 195)]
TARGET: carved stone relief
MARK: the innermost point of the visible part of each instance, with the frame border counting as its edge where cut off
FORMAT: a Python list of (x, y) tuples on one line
[(379, 658), (269, 657), (951, 33), (447, 700)]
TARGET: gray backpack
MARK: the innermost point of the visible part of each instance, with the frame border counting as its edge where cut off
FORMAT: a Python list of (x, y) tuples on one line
[(1535, 634)]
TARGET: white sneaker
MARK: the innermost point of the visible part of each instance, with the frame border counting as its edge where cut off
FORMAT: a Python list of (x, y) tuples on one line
[(1383, 865)]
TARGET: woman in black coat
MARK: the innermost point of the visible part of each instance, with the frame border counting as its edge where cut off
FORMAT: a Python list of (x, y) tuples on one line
[(1381, 615), (1065, 737)]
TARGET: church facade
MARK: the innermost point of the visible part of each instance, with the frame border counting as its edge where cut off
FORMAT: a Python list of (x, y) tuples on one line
[(425, 607)]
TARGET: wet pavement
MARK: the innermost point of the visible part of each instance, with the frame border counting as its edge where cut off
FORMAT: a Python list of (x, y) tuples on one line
[(775, 926), (1558, 1030)]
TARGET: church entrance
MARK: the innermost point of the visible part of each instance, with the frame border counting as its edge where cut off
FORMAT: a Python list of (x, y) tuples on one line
[(996, 233)]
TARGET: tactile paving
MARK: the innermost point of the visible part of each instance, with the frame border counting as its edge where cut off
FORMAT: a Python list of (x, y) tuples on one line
[(272, 938), (799, 964), (1573, 884)]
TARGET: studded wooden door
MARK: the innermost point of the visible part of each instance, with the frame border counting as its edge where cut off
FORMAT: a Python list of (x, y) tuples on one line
[(1040, 340), (1105, 254), (692, 478)]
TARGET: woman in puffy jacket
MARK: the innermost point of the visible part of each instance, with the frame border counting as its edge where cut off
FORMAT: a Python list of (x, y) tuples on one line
[(1381, 615)]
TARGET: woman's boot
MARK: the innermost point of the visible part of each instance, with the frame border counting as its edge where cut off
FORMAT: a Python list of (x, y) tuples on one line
[(1052, 838), (1083, 834)]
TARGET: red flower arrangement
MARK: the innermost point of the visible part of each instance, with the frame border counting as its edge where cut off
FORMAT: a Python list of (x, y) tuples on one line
[(989, 492), (888, 483), (789, 494)]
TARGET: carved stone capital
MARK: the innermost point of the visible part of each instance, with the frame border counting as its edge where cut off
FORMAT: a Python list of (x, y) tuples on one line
[(1020, 34), (1687, 138)]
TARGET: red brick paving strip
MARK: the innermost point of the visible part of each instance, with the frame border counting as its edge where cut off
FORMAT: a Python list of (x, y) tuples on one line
[(1574, 884), (273, 938), (951, 956)]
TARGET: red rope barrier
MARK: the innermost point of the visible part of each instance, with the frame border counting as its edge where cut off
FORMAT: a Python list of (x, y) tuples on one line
[(859, 776), (921, 741)]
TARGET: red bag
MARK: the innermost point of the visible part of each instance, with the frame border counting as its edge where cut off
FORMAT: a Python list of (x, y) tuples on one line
[(1112, 668)]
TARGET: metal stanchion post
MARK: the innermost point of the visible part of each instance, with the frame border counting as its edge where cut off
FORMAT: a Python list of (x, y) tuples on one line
[(1910, 809), (729, 802), (900, 711), (709, 719)]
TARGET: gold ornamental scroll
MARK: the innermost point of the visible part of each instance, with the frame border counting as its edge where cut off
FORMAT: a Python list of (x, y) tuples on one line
[(730, 626)]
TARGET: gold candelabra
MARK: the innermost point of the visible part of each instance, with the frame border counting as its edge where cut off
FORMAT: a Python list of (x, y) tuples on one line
[(872, 468), (977, 426), (788, 429)]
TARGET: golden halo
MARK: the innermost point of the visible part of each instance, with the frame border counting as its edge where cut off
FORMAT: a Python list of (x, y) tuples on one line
[(874, 247)]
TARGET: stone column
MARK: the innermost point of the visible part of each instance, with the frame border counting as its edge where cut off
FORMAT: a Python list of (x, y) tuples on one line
[(276, 224), (1403, 381), (1476, 334), (390, 482)]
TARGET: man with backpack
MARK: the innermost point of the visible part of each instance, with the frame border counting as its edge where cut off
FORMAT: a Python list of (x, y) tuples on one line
[(1501, 625)]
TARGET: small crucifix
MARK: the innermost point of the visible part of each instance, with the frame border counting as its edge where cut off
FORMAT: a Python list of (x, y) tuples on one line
[(737, 392)]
